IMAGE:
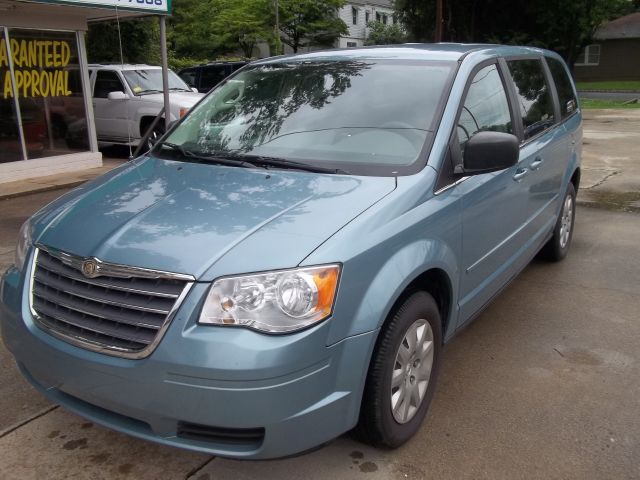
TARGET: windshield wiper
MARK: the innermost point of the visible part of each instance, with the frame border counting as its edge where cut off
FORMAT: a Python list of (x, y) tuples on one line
[(202, 158), (290, 164), (147, 91), (250, 161)]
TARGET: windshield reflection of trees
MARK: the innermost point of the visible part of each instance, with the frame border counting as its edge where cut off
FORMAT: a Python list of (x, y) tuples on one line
[(272, 94)]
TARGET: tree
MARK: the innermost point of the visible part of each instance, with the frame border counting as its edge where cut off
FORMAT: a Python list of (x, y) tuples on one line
[(564, 26), (418, 17), (242, 24), (381, 34), (569, 38), (310, 22), (140, 41), (192, 32)]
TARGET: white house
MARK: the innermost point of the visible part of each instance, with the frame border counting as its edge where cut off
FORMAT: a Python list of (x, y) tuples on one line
[(357, 13)]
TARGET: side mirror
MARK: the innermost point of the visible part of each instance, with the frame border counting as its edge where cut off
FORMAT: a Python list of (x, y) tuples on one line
[(487, 152), (117, 96), (194, 89)]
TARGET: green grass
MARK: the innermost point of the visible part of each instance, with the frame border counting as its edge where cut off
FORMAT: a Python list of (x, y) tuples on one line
[(609, 86), (588, 103)]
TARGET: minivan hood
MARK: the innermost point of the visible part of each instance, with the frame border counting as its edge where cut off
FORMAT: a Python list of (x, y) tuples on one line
[(185, 217)]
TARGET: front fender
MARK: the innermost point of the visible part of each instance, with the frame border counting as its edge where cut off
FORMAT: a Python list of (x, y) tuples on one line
[(388, 247), (394, 277)]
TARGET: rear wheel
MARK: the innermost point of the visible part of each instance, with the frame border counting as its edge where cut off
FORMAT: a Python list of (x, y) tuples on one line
[(558, 245), (403, 372)]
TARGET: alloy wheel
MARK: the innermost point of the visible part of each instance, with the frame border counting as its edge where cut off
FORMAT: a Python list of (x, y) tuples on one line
[(412, 371)]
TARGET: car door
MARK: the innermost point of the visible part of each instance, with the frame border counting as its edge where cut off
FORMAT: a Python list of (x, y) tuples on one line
[(544, 146), (111, 115), (493, 204)]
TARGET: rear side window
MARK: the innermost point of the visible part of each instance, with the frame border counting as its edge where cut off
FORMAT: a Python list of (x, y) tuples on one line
[(211, 76), (189, 76), (568, 103), (486, 107), (237, 66), (533, 96)]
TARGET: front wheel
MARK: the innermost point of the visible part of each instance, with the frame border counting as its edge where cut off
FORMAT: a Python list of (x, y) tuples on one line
[(558, 245), (155, 135), (402, 376)]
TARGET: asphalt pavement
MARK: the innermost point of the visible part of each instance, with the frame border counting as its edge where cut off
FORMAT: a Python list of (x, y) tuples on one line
[(544, 384)]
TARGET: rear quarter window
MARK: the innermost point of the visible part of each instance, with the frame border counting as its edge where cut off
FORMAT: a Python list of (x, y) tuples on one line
[(564, 87)]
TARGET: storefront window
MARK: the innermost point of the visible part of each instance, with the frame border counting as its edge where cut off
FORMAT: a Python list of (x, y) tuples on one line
[(10, 145), (49, 92)]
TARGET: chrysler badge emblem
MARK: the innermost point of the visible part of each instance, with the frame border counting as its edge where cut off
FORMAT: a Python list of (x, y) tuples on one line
[(89, 268)]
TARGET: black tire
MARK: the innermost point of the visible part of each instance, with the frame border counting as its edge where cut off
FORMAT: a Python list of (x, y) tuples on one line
[(557, 247), (377, 424), (157, 132)]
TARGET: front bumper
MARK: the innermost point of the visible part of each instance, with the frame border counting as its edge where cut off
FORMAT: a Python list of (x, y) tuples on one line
[(293, 390)]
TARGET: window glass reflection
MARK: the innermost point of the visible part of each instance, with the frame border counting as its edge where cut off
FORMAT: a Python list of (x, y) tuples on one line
[(360, 112), (10, 145), (49, 91), (534, 97)]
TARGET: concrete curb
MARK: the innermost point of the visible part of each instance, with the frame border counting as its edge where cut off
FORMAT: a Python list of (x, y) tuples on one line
[(43, 188), (59, 181)]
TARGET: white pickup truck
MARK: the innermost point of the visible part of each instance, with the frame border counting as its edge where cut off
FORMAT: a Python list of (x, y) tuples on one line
[(127, 98)]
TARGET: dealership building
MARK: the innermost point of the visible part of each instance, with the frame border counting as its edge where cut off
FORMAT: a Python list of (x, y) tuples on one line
[(46, 114)]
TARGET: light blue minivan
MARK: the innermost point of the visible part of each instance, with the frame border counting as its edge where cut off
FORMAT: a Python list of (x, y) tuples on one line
[(286, 263)]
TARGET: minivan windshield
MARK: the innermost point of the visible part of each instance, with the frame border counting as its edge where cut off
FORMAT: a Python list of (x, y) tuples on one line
[(363, 116), (149, 80)]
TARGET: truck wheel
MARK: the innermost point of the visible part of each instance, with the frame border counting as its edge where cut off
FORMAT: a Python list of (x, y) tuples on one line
[(155, 135), (403, 372)]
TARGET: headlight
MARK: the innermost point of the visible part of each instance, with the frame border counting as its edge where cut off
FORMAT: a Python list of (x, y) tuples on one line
[(24, 242), (274, 302)]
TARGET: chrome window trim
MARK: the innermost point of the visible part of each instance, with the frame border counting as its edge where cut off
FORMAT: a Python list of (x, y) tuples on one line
[(112, 350), (451, 185), (541, 134)]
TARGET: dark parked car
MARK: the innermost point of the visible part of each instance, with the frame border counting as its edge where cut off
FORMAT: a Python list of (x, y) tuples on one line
[(206, 76)]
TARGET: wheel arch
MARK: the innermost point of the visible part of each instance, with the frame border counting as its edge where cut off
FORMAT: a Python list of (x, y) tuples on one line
[(435, 282), (145, 121), (426, 264), (575, 178)]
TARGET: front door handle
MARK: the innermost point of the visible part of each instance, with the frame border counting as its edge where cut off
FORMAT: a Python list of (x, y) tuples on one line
[(535, 165), (520, 173)]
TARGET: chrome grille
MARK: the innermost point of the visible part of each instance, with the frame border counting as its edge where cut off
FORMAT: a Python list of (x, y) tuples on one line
[(122, 311)]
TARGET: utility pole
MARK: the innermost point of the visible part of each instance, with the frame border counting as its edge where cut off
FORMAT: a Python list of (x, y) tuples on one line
[(278, 42), (438, 35)]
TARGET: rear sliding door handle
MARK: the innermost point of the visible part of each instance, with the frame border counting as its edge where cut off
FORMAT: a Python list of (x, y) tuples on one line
[(536, 163), (520, 173)]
